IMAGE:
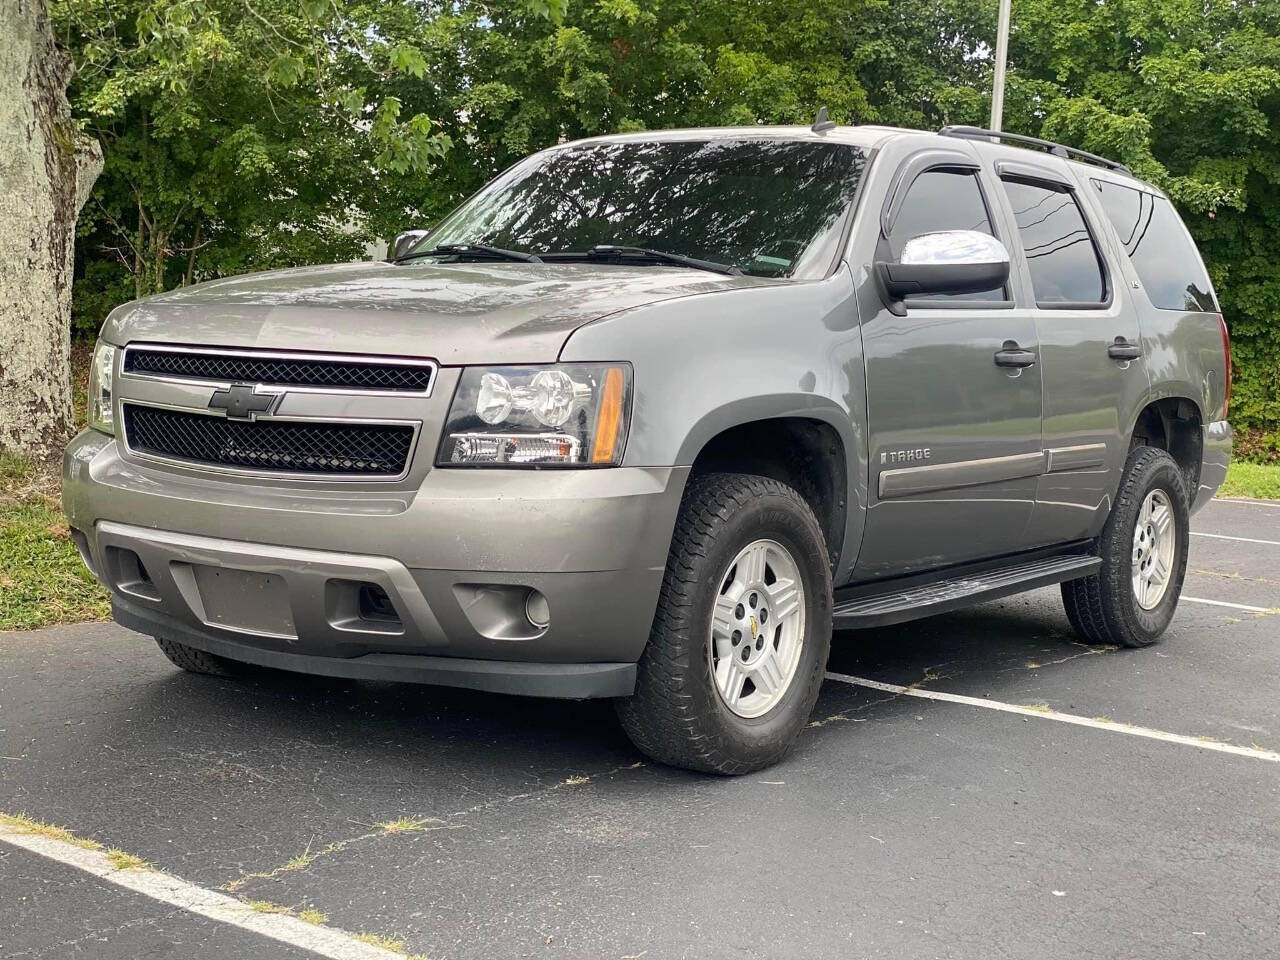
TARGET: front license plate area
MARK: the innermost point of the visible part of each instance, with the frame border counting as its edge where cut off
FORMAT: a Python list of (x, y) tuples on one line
[(245, 600)]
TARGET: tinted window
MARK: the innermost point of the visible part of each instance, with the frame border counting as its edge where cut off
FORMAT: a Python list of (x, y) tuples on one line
[(1155, 239), (1060, 254), (770, 207), (942, 200)]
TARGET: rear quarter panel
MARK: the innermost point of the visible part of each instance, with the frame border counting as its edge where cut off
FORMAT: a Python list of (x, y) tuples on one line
[(1185, 359), (1182, 350)]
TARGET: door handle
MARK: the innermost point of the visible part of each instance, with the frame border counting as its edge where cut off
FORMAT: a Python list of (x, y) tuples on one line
[(1012, 355), (1122, 349)]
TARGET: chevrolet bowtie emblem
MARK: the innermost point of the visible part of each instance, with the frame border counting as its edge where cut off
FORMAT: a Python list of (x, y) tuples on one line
[(242, 402)]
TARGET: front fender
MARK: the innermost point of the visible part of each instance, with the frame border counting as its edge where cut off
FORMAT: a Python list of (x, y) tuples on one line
[(703, 364)]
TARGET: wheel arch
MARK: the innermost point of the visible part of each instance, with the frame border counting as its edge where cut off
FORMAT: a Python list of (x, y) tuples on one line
[(1173, 424), (808, 449)]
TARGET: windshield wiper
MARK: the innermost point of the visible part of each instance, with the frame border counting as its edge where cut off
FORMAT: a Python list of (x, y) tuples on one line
[(609, 251), (471, 250)]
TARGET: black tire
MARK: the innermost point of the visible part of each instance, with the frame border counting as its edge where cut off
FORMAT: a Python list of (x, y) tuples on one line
[(1103, 608), (676, 715), (197, 661)]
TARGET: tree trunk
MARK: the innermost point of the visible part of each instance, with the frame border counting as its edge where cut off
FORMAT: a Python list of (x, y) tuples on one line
[(46, 171)]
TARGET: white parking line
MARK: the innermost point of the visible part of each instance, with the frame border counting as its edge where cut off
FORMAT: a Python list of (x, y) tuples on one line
[(1242, 501), (1044, 713), (324, 941), (1223, 536), (1223, 603)]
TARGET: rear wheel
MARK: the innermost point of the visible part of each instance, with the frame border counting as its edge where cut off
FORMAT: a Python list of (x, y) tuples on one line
[(1131, 599), (197, 661), (739, 643)]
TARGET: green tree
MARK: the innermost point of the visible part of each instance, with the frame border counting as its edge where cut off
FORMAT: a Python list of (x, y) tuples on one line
[(238, 135), (1188, 94), (504, 84), (294, 131)]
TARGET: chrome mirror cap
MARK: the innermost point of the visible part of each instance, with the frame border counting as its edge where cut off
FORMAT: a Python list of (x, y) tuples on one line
[(406, 242), (945, 263), (950, 247)]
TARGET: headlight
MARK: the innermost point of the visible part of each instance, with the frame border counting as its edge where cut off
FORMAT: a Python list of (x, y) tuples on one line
[(101, 412), (566, 415)]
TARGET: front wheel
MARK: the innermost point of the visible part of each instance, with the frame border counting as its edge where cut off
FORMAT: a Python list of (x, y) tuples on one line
[(1131, 599), (740, 640), (197, 661)]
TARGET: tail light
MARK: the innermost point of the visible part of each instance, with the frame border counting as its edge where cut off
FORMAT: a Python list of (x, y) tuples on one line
[(1226, 356)]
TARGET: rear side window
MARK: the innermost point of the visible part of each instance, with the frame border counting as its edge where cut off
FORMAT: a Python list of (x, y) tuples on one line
[(942, 200), (1064, 264), (1162, 252)]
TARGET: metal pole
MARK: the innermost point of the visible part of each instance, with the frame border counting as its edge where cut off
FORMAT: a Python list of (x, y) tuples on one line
[(1002, 54)]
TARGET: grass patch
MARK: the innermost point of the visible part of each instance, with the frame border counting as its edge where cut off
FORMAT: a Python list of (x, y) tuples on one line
[(14, 466), (24, 824), (1260, 481), (266, 906), (294, 864), (316, 918), (306, 914), (126, 861), (301, 861), (378, 940), (42, 580), (407, 824)]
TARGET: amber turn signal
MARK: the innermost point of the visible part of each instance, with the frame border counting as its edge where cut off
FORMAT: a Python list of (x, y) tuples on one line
[(609, 420)]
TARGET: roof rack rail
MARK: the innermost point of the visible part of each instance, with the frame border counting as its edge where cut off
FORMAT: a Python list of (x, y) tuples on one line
[(1057, 149)]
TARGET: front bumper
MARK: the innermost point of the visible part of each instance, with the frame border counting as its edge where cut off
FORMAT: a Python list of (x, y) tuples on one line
[(273, 573)]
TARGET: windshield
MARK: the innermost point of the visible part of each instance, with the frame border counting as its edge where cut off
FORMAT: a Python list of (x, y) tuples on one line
[(769, 207)]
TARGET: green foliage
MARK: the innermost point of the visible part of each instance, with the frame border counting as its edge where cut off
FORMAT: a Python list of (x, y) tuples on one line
[(1187, 93), (502, 83), (241, 136)]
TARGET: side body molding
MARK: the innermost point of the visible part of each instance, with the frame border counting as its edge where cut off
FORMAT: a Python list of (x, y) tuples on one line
[(934, 477), (906, 481)]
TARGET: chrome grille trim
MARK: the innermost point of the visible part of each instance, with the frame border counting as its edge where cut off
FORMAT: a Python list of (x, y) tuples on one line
[(431, 366)]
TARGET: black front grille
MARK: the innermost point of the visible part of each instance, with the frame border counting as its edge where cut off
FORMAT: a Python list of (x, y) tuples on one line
[(281, 446), (283, 370)]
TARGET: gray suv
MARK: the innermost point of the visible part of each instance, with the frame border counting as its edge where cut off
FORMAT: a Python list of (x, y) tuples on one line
[(650, 415)]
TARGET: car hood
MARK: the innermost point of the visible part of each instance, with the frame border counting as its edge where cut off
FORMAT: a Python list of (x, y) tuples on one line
[(456, 313)]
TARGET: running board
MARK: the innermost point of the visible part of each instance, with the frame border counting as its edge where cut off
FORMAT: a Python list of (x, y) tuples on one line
[(941, 596)]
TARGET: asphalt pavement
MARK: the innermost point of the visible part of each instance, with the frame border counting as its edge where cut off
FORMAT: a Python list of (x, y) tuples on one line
[(463, 825)]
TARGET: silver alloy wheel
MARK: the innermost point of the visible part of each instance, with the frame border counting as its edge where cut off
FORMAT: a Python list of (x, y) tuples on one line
[(1154, 542), (757, 628)]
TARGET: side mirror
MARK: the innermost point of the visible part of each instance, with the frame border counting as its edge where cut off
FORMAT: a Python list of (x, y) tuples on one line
[(951, 261), (406, 242)]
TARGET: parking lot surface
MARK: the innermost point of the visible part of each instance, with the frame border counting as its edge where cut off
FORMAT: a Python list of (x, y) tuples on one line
[(453, 824)]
